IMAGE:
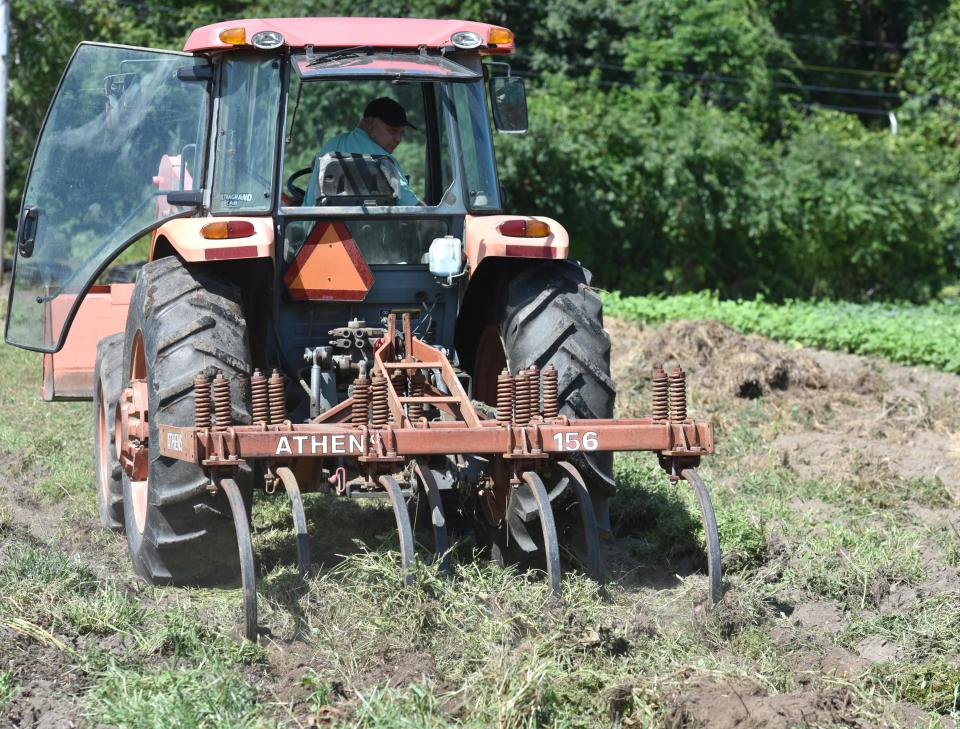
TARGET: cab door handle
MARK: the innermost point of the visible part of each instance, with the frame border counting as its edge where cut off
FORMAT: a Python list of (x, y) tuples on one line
[(28, 230)]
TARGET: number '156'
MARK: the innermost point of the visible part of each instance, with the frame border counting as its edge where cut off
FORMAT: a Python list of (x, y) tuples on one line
[(576, 442)]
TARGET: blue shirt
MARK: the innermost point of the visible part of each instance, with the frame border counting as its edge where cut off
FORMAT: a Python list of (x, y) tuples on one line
[(358, 142)]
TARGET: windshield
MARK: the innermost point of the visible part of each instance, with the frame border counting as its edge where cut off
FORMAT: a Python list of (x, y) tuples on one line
[(375, 145), (358, 63), (335, 157)]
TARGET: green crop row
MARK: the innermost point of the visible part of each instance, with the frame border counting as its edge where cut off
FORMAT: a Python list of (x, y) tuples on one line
[(910, 334)]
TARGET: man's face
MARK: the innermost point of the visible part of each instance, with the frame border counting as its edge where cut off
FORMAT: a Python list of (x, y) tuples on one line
[(383, 134)]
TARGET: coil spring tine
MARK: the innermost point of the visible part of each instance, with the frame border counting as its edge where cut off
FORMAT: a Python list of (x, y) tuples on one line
[(201, 401), (678, 395), (533, 385), (221, 401), (661, 396), (399, 381), (379, 404), (522, 406), (551, 402), (505, 388), (360, 412), (277, 397), (418, 386), (259, 397)]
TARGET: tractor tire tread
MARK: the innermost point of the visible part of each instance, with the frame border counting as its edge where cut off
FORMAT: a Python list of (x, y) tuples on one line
[(191, 320), (108, 382), (549, 314)]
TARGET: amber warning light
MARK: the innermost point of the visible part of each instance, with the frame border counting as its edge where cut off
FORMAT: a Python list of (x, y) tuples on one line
[(227, 229), (524, 228), (233, 36)]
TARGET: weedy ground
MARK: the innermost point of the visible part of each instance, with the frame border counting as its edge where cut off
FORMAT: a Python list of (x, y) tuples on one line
[(836, 491)]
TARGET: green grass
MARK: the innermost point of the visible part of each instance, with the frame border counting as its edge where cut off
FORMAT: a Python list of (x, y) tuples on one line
[(204, 696), (46, 445), (8, 688), (906, 333), (933, 685)]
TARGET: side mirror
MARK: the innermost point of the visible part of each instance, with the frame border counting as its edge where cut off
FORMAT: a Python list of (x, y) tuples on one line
[(119, 93), (508, 98)]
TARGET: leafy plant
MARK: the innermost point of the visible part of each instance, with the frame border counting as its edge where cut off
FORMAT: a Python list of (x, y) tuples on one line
[(910, 334)]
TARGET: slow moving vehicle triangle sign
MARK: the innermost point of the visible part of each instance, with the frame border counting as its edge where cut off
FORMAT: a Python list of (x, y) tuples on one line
[(329, 267)]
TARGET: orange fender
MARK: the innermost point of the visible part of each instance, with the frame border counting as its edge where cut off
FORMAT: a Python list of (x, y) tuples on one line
[(183, 236), (483, 239)]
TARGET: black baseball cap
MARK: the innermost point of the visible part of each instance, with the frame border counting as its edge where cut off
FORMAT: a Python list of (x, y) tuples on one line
[(388, 111)]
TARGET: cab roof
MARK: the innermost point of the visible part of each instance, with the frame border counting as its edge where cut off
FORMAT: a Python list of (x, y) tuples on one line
[(349, 32)]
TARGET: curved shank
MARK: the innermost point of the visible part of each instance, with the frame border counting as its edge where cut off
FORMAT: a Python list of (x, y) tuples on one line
[(404, 530), (591, 535), (710, 532), (299, 519), (437, 519), (245, 545), (548, 525)]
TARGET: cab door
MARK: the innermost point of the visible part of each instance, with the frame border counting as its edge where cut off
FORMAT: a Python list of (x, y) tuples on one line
[(96, 183)]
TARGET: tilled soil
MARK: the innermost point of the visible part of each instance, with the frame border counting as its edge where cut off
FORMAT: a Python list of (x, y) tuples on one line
[(844, 416), (860, 422)]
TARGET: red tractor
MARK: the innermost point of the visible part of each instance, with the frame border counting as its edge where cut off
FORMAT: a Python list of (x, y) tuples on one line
[(333, 298)]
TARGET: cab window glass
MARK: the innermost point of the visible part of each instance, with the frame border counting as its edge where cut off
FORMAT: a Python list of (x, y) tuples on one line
[(246, 135), (483, 192), (324, 118), (123, 131)]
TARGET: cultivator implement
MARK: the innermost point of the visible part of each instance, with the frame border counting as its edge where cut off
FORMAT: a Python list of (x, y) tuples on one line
[(379, 442)]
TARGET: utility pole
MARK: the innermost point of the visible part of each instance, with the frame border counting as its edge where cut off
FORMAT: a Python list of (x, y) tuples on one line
[(4, 36)]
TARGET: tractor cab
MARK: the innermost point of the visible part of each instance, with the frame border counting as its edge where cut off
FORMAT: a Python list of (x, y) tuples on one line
[(244, 147)]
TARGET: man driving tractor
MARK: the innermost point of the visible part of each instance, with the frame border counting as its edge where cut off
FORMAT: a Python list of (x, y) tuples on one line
[(379, 133)]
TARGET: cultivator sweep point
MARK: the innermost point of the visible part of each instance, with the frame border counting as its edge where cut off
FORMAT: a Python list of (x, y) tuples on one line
[(378, 444)]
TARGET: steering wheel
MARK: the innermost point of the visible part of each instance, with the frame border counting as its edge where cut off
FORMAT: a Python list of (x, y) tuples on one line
[(297, 193)]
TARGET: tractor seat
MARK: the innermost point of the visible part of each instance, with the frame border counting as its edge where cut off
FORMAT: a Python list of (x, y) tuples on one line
[(354, 179)]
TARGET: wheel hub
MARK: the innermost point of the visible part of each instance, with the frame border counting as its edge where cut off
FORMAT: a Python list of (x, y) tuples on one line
[(133, 430)]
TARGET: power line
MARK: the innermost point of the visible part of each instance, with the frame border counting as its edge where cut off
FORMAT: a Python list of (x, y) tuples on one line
[(741, 80), (844, 71), (744, 81), (724, 97), (803, 104), (841, 40)]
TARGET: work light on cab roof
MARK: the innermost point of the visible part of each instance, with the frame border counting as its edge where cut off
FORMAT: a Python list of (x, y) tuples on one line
[(332, 298)]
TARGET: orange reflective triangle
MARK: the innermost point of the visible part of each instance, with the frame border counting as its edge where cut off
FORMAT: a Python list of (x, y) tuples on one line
[(329, 267)]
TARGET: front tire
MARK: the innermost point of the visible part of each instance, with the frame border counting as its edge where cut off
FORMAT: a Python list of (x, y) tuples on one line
[(107, 386), (182, 320)]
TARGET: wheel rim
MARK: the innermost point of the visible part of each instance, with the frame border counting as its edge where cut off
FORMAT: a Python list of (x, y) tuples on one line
[(138, 374)]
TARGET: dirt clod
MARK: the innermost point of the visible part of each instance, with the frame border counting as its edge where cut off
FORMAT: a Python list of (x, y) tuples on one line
[(823, 615), (721, 360), (742, 705)]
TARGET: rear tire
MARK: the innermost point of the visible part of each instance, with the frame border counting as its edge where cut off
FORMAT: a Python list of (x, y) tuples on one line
[(548, 314), (182, 321), (107, 386)]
